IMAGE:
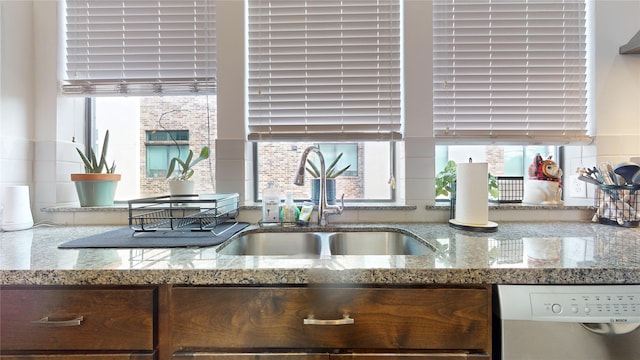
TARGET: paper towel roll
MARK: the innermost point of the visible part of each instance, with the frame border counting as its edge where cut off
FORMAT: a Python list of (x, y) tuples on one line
[(472, 200)]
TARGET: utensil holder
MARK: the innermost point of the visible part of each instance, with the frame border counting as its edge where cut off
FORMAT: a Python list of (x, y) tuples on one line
[(618, 205)]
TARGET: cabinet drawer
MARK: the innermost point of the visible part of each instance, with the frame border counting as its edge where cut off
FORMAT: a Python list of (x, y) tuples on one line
[(250, 356), (79, 356), (383, 318), (77, 319)]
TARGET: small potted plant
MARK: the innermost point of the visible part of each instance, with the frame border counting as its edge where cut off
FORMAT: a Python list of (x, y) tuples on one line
[(331, 174), (180, 172), (97, 185)]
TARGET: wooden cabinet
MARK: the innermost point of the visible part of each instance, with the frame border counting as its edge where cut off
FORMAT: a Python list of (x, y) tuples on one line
[(59, 322), (245, 323), (250, 356), (364, 323), (308, 356)]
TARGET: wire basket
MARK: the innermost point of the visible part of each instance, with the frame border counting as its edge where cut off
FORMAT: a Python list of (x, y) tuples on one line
[(618, 205), (511, 189), (182, 212)]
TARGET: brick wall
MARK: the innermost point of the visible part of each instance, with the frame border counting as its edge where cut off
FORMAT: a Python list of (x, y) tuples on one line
[(193, 117), (279, 160)]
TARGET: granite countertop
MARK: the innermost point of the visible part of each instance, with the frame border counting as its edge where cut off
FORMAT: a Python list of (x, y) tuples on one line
[(518, 253)]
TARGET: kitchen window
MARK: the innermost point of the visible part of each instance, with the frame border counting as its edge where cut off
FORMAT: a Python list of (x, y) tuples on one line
[(367, 178), (146, 132), (509, 81), (147, 67)]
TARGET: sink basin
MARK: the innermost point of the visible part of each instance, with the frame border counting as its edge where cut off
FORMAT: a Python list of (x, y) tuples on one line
[(314, 244), (274, 244), (376, 243)]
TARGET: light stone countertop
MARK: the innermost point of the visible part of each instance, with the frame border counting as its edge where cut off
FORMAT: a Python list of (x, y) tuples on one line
[(518, 253)]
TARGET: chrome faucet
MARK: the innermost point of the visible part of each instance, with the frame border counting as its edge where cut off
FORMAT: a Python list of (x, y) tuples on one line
[(324, 209)]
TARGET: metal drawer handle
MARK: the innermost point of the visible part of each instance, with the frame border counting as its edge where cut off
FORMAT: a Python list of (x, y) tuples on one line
[(58, 323), (346, 320)]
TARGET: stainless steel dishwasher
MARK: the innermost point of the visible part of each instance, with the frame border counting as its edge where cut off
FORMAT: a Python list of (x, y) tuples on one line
[(567, 322)]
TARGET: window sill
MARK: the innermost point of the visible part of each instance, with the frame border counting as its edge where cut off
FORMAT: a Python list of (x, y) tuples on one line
[(354, 213)]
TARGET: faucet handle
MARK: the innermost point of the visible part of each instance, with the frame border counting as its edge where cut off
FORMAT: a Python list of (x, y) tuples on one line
[(340, 207), (330, 210)]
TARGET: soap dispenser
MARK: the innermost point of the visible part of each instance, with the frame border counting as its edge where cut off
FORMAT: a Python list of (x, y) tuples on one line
[(271, 203), (289, 212)]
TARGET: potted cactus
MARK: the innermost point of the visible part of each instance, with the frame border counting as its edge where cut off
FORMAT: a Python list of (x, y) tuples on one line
[(97, 185), (331, 173), (180, 172)]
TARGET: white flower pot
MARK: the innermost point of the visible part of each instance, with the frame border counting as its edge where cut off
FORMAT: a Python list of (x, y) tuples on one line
[(181, 187)]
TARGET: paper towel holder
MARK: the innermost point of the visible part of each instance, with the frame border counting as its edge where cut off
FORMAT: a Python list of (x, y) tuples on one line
[(487, 226), (490, 226)]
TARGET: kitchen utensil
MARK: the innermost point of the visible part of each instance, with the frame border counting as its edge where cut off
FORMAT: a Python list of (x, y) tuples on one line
[(636, 178), (594, 174), (606, 171), (627, 170), (589, 180)]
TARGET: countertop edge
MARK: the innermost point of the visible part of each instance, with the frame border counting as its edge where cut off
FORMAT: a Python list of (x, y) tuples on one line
[(386, 277)]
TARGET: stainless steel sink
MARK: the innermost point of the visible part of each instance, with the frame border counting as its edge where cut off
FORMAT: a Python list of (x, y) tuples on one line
[(314, 244), (274, 244), (376, 243)]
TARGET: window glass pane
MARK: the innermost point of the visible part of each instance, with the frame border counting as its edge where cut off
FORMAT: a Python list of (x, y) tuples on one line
[(159, 156), (141, 141), (511, 160), (349, 157), (366, 179)]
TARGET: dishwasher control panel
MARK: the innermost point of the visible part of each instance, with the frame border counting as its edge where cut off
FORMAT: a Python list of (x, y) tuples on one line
[(613, 307), (571, 303)]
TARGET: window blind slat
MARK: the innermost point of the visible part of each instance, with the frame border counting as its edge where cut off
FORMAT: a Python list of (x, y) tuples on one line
[(140, 47), (509, 71), (324, 69)]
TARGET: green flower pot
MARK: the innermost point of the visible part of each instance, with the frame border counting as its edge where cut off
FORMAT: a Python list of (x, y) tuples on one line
[(96, 189)]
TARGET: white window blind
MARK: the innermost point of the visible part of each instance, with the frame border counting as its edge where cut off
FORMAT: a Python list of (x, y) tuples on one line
[(324, 70), (509, 71), (140, 47)]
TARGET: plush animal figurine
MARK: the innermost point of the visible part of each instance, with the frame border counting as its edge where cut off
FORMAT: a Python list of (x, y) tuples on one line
[(544, 169), (544, 185)]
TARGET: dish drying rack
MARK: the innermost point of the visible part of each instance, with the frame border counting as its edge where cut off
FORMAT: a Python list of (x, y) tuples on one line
[(182, 212)]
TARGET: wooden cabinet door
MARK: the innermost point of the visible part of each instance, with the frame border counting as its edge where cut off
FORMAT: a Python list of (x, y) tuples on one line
[(426, 356), (383, 318), (79, 319), (92, 356)]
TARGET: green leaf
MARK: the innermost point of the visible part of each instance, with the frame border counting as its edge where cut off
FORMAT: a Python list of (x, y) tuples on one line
[(91, 163), (185, 168), (330, 172), (312, 169)]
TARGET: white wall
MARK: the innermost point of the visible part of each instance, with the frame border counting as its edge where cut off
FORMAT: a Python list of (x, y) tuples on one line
[(615, 108), (617, 80), (34, 117), (16, 94)]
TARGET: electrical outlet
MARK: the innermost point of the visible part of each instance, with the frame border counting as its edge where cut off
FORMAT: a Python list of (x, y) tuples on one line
[(577, 188)]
